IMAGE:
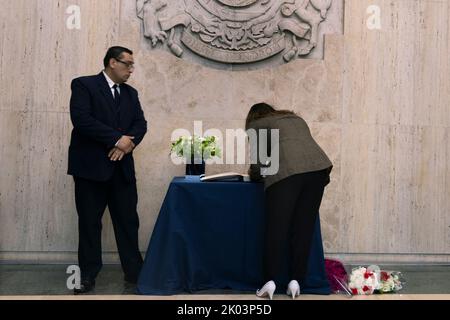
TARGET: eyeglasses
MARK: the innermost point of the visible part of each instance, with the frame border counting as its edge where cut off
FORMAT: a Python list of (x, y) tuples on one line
[(129, 65)]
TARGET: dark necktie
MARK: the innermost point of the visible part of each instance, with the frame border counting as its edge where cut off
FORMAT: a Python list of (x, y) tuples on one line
[(116, 96)]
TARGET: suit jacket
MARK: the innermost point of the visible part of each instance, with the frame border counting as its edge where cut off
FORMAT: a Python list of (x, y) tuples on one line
[(99, 124), (298, 151)]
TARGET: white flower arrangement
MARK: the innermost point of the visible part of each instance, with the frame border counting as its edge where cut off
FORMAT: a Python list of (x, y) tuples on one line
[(195, 147), (365, 281), (390, 281)]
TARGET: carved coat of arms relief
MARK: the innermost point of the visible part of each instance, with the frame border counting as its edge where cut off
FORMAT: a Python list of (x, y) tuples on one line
[(235, 31)]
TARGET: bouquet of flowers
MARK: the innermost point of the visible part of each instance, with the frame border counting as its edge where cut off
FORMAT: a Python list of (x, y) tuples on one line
[(337, 276), (363, 281), (390, 281), (373, 280)]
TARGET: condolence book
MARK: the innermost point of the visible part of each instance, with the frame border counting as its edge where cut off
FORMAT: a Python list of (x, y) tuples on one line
[(226, 176)]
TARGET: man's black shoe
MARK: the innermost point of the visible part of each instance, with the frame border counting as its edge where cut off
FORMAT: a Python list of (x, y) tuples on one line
[(85, 287), (131, 280), (129, 288)]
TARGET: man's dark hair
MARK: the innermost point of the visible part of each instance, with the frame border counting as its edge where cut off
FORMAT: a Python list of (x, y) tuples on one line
[(115, 53)]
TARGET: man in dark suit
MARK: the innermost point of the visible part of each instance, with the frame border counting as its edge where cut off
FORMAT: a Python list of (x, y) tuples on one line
[(108, 125)]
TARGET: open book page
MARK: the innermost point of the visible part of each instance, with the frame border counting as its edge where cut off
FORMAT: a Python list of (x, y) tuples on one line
[(226, 176)]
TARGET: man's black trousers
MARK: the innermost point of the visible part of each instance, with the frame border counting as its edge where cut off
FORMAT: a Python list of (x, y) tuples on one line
[(91, 199)]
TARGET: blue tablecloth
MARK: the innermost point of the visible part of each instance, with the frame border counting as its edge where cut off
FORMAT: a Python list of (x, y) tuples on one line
[(209, 235)]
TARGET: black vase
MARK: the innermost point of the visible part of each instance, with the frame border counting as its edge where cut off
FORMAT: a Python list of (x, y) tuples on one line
[(194, 169)]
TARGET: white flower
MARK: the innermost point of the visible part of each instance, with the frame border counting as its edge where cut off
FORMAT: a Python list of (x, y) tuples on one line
[(363, 281)]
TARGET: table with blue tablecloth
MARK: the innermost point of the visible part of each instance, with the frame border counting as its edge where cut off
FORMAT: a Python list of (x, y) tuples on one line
[(209, 235)]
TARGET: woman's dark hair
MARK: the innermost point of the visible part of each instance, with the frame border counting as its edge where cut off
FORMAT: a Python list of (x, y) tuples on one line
[(262, 110), (115, 53)]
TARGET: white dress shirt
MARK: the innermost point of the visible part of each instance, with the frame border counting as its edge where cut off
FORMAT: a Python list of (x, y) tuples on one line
[(111, 84)]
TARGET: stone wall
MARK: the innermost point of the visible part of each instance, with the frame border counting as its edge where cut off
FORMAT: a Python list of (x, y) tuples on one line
[(378, 103)]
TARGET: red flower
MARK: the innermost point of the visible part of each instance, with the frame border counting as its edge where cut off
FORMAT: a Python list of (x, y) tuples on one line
[(384, 276), (367, 275), (366, 288), (354, 291)]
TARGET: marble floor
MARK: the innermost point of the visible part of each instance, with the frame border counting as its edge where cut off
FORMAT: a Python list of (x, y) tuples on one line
[(44, 281)]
